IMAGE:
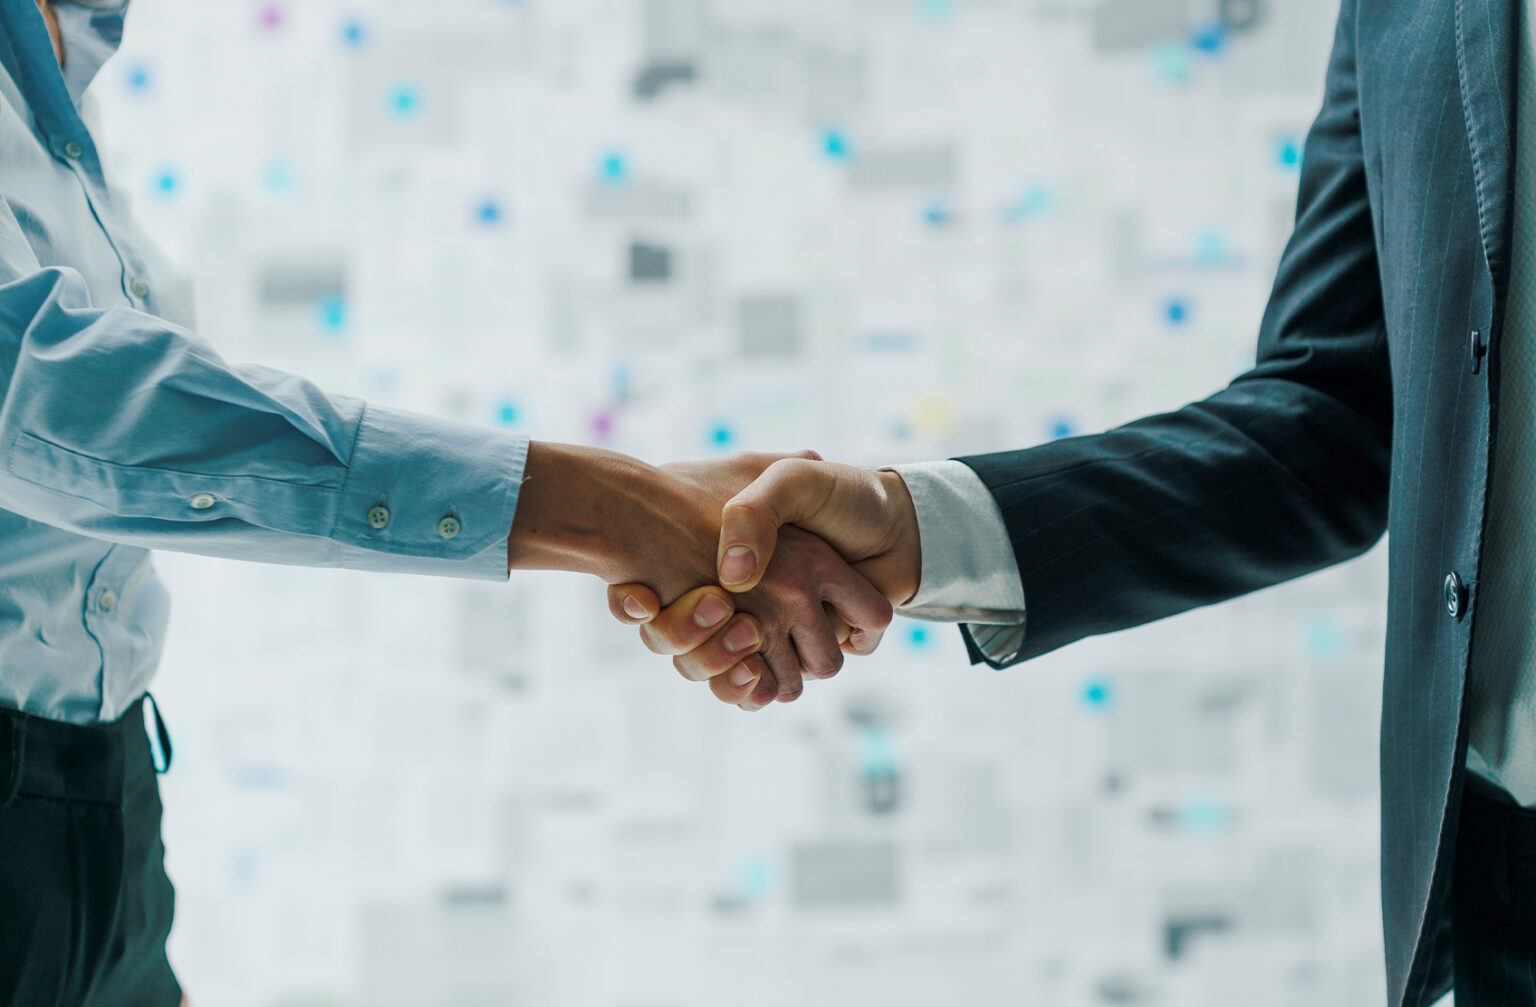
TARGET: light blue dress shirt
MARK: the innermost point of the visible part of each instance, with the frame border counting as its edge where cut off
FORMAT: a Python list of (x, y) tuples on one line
[(121, 430)]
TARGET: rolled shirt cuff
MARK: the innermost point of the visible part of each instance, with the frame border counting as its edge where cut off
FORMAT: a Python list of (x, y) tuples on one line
[(428, 495)]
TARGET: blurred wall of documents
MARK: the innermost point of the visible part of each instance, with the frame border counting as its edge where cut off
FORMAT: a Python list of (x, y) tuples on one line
[(890, 230)]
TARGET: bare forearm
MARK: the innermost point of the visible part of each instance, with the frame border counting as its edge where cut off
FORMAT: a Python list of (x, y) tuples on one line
[(598, 512)]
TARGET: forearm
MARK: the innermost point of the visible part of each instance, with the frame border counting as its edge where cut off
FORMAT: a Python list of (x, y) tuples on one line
[(124, 427), (586, 510), (1261, 483)]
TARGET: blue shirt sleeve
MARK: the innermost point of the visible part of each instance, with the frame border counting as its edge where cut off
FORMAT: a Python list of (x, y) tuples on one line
[(121, 426)]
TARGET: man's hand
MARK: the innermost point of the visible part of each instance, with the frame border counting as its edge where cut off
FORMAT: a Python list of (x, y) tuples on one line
[(867, 516), (627, 522), (704, 649)]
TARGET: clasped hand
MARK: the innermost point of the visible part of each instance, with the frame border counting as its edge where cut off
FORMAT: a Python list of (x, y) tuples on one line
[(811, 558)]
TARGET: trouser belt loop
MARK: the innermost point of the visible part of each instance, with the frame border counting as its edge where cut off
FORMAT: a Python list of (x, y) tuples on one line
[(162, 757)]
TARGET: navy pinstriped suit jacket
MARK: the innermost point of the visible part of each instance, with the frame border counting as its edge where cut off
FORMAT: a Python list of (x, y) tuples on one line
[(1389, 293)]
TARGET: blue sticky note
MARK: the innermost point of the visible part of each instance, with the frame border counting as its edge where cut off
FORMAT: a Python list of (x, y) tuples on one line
[(1211, 248), (613, 168), (1288, 152), (1325, 640), (1176, 311), (1099, 694), (835, 144), (488, 212), (1203, 816), (1171, 63), (876, 752), (138, 78), (405, 100), (278, 178), (1209, 38), (331, 313), (166, 182), (755, 877), (354, 33), (506, 413)]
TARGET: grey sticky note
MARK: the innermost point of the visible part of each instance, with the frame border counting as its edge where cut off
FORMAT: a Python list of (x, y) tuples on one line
[(920, 165), (769, 326), (649, 263), (1138, 24), (843, 874), (291, 282), (638, 200), (657, 75)]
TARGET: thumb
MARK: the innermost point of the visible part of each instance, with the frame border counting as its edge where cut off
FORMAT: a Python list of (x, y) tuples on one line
[(788, 492), (842, 504)]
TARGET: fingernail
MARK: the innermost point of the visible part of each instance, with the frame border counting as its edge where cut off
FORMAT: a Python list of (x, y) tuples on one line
[(634, 609), (741, 675), (711, 611), (740, 637), (738, 565)]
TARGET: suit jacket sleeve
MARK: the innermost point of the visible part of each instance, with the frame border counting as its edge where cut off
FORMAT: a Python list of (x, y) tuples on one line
[(1283, 472)]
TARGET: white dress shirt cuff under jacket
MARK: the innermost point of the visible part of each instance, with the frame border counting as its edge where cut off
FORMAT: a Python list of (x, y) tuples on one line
[(969, 572)]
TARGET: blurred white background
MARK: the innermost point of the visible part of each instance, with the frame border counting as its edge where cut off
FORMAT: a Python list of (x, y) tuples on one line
[(886, 229)]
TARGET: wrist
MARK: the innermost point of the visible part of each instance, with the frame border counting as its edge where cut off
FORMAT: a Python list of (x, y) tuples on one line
[(586, 510), (900, 575), (568, 507)]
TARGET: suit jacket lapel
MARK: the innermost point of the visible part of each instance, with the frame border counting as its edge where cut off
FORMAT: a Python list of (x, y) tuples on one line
[(1486, 46)]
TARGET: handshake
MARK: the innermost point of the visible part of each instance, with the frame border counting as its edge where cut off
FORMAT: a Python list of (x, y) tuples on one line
[(754, 572)]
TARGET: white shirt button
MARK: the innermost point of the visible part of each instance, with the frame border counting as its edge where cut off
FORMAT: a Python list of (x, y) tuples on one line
[(72, 149), (378, 517), (448, 527), (107, 600), (201, 501), (140, 289)]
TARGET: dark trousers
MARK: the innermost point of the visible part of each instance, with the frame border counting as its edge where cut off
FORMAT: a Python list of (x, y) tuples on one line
[(1494, 893), (85, 905)]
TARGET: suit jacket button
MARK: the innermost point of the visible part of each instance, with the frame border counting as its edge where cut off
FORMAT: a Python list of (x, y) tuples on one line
[(1455, 596)]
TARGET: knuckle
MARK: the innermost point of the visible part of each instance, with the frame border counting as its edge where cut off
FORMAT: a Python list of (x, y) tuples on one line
[(745, 509), (776, 654), (824, 666), (805, 606)]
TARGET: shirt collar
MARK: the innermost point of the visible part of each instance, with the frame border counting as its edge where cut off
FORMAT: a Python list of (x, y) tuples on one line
[(91, 30)]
